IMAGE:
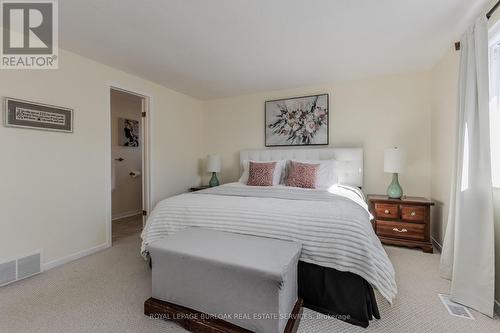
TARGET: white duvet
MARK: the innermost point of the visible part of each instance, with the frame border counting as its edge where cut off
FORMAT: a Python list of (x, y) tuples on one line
[(332, 225)]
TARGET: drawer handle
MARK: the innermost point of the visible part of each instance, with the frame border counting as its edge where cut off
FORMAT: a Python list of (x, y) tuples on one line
[(397, 230), (387, 211), (413, 213)]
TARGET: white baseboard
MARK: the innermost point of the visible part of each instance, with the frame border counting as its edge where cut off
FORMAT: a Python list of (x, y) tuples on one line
[(126, 214), (74, 256), (437, 245)]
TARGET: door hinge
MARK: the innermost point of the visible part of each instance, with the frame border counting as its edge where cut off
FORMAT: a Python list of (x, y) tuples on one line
[(144, 213), (143, 114)]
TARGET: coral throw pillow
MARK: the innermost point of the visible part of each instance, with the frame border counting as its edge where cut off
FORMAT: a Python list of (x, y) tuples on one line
[(261, 174), (302, 175)]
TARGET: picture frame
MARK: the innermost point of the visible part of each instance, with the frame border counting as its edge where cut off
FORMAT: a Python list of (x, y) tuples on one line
[(297, 121), (128, 131), (33, 115)]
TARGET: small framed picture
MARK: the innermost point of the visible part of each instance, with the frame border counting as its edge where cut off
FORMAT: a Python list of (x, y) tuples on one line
[(25, 114), (128, 132), (298, 121)]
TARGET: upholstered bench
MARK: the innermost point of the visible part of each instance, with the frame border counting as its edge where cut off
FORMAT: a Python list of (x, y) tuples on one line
[(211, 281)]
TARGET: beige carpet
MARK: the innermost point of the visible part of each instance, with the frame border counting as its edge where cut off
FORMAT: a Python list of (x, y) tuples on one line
[(105, 293)]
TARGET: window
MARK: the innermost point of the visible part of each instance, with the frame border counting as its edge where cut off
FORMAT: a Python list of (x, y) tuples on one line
[(465, 162), (494, 54)]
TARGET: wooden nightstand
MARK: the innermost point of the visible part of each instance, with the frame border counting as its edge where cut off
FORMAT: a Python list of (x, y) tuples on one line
[(404, 222), (198, 188)]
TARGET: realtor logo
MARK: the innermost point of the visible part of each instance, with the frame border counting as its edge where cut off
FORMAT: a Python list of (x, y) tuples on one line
[(29, 34)]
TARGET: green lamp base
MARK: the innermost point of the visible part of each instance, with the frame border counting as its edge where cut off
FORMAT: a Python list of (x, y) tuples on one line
[(394, 191), (213, 181)]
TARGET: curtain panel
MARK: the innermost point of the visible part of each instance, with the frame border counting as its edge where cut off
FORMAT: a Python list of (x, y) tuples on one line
[(468, 250)]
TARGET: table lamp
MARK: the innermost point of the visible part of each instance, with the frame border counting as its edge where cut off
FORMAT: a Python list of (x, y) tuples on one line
[(213, 166), (392, 164)]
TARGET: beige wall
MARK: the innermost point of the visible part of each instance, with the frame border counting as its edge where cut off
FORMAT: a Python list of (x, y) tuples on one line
[(126, 196), (56, 187), (374, 114)]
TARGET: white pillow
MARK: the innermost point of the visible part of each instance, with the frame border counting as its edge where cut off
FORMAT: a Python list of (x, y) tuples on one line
[(280, 166), (326, 173)]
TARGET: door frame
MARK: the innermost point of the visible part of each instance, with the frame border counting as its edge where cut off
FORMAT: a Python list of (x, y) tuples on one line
[(145, 137)]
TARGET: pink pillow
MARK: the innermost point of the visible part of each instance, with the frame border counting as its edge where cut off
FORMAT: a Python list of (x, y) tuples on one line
[(261, 174), (302, 175)]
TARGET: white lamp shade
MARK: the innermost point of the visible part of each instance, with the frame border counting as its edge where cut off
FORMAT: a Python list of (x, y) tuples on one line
[(392, 160), (213, 163)]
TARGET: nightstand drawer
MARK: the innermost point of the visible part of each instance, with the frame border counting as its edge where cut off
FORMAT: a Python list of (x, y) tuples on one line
[(414, 213), (401, 230), (386, 210)]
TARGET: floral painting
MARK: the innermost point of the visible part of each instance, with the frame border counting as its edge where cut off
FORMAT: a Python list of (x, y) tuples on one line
[(297, 121)]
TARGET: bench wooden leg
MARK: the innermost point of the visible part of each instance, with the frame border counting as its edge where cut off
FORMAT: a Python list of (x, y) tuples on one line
[(199, 322)]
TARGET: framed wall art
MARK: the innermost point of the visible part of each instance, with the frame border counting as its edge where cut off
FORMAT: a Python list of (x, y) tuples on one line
[(298, 121), (128, 130), (25, 114)]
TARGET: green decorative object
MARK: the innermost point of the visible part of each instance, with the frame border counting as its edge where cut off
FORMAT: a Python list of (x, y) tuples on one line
[(213, 181), (213, 166), (394, 191), (393, 164)]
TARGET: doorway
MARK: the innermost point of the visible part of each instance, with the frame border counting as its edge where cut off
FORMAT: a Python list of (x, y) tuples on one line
[(128, 163)]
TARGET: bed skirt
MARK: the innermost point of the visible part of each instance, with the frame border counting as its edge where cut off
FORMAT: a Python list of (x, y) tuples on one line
[(343, 295)]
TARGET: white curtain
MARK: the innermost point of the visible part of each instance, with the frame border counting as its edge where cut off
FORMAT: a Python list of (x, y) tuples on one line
[(468, 250)]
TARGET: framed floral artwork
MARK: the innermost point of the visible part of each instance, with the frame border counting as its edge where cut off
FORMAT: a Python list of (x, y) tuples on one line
[(298, 121)]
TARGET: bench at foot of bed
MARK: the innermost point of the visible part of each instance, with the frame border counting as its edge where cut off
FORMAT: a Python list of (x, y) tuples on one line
[(248, 281)]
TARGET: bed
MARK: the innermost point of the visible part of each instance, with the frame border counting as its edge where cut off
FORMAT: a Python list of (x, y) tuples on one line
[(342, 259)]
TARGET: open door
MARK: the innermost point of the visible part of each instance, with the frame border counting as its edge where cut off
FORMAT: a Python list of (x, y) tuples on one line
[(129, 160)]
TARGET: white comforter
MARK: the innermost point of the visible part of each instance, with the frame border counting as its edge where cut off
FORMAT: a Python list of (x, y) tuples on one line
[(332, 225)]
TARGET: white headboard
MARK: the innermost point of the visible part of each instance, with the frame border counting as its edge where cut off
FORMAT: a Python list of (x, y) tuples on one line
[(351, 169)]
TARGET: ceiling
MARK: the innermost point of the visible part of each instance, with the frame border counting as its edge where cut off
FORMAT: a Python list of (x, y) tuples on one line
[(219, 48)]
